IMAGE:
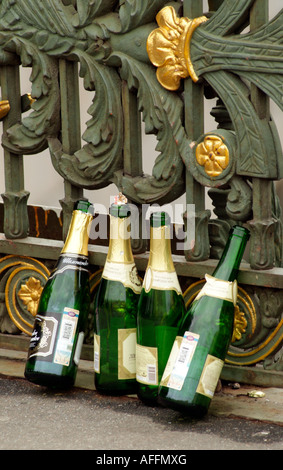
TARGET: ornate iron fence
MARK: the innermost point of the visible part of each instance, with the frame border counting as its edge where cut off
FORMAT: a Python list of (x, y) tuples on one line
[(157, 61)]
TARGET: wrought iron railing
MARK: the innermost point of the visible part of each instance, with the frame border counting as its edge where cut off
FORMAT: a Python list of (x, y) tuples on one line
[(154, 61)]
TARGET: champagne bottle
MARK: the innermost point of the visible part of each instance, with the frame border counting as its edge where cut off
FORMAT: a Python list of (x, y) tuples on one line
[(161, 308), (59, 326), (116, 309), (197, 357)]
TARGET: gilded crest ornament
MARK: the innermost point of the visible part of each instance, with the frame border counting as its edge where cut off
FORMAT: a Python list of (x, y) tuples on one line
[(169, 48)]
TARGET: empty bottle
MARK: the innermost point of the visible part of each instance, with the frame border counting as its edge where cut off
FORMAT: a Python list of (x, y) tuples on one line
[(160, 311), (116, 309), (197, 357), (59, 326)]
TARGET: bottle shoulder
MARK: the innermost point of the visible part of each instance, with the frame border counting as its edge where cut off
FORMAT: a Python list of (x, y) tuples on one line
[(122, 273), (161, 304), (108, 286), (115, 292), (208, 314), (70, 266)]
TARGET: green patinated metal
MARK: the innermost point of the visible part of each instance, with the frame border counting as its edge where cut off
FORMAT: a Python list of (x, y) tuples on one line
[(238, 57)]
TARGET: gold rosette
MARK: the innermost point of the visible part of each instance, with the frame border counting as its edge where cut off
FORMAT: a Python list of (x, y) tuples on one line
[(213, 155)]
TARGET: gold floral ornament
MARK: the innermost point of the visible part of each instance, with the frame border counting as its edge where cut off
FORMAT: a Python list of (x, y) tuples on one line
[(213, 155), (168, 48), (240, 324), (30, 293), (4, 108)]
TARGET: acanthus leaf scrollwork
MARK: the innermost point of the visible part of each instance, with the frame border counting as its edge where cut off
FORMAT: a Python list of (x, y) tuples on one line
[(86, 32), (94, 165), (162, 116)]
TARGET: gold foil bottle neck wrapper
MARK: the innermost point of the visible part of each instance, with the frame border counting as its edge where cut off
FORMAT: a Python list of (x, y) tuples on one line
[(120, 250), (78, 234), (160, 257)]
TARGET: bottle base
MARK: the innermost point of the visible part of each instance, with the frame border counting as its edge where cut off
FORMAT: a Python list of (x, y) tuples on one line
[(148, 401), (115, 389), (147, 394), (50, 380), (113, 392), (189, 409)]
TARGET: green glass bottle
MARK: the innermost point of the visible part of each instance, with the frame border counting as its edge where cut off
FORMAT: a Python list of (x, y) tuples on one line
[(116, 309), (160, 311), (197, 357), (59, 326)]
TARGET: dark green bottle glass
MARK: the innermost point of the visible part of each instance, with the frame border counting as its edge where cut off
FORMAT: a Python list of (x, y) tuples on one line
[(116, 310), (63, 309), (160, 311), (197, 357)]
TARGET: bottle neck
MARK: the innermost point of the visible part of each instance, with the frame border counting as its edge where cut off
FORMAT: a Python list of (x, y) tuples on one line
[(120, 250), (78, 234), (228, 266), (160, 256)]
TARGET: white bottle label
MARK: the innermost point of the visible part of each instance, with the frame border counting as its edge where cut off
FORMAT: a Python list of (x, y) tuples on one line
[(123, 272), (66, 336), (147, 365), (96, 350), (79, 346), (214, 287), (171, 361), (179, 361), (161, 280), (127, 353), (210, 375), (178, 366)]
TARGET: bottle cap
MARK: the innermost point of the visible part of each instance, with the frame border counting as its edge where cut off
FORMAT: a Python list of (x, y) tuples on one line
[(120, 208), (159, 219), (85, 206)]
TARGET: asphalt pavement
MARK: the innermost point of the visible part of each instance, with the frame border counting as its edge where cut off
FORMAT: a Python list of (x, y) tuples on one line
[(121, 428)]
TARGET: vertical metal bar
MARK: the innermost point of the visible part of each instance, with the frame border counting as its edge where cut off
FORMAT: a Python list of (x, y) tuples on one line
[(194, 124), (16, 223), (71, 131), (132, 133), (262, 226), (132, 149), (258, 17)]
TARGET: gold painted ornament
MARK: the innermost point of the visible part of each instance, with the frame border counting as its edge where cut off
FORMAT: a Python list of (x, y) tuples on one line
[(30, 293), (168, 48), (4, 108), (213, 155)]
